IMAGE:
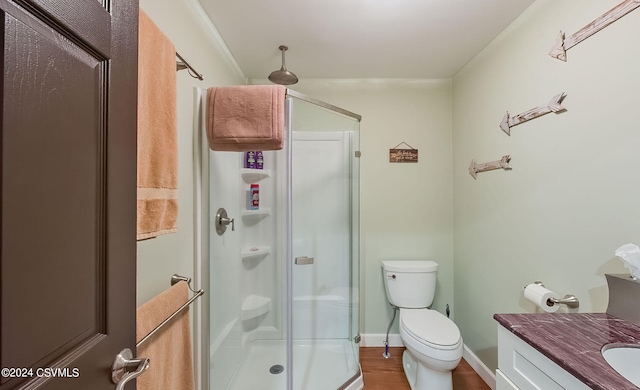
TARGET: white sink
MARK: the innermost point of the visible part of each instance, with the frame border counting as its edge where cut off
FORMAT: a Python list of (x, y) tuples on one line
[(625, 359)]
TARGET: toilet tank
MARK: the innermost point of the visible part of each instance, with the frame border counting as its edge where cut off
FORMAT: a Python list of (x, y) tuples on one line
[(410, 284)]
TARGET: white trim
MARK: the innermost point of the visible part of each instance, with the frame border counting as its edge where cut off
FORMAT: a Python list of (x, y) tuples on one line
[(478, 366), (197, 239), (200, 319), (377, 340)]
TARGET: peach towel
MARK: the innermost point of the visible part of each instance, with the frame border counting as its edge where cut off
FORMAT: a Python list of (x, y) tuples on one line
[(157, 133), (169, 349), (245, 117)]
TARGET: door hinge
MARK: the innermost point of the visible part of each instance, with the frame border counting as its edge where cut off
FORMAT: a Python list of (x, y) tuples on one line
[(358, 154), (357, 339)]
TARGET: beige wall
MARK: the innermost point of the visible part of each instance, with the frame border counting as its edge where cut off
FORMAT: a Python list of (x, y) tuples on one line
[(197, 41), (572, 196), (406, 209)]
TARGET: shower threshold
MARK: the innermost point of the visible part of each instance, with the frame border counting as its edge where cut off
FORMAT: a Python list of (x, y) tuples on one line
[(317, 365)]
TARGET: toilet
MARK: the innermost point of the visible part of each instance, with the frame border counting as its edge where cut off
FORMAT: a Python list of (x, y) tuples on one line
[(433, 341)]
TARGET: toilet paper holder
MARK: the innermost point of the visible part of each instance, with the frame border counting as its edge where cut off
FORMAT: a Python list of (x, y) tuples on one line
[(571, 301)]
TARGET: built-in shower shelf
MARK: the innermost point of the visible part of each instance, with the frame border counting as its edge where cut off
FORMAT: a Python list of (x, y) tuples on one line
[(255, 213), (258, 253), (254, 175), (255, 306)]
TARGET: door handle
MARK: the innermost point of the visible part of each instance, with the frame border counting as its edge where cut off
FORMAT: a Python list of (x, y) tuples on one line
[(126, 368), (304, 260)]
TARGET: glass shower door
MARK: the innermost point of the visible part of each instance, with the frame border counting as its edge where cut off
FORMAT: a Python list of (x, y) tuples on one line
[(324, 248)]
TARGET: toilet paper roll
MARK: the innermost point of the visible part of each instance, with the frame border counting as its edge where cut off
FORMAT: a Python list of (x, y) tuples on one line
[(539, 295)]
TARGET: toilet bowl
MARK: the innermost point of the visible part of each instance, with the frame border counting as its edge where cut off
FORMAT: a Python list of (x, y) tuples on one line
[(434, 344), (434, 348)]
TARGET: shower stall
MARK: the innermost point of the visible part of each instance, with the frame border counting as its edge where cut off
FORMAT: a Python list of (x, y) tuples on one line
[(284, 278)]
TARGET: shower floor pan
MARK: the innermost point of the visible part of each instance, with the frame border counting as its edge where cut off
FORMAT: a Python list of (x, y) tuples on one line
[(317, 365)]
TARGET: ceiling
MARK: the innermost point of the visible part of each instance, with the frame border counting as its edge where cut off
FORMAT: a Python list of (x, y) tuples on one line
[(360, 38)]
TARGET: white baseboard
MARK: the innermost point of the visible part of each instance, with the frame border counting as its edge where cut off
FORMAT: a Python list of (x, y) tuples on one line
[(488, 376), (378, 339)]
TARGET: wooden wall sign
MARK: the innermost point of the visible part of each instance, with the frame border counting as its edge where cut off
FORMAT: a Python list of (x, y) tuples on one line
[(403, 155), (559, 49), (555, 105), (503, 163)]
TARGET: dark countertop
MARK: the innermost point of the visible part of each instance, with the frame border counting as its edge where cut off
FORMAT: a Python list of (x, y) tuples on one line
[(573, 341)]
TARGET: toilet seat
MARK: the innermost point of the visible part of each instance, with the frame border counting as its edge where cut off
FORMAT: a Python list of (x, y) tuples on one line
[(430, 328)]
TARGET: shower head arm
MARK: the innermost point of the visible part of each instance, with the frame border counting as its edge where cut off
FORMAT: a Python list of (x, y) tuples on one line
[(283, 49)]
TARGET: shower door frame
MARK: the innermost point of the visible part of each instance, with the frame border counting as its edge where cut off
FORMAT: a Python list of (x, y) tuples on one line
[(320, 103), (289, 255)]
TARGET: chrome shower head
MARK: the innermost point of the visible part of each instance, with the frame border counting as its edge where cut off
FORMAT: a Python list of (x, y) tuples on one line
[(283, 76)]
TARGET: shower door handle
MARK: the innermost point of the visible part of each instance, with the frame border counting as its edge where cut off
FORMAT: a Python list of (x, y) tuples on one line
[(304, 260)]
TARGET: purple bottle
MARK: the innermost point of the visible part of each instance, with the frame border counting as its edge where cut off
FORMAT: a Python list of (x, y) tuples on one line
[(250, 160), (259, 160)]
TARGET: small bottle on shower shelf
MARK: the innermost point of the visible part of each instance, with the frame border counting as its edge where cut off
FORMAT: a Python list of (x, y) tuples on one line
[(259, 159), (254, 197), (250, 159)]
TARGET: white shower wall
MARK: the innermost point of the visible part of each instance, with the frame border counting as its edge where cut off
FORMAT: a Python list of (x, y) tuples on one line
[(246, 293)]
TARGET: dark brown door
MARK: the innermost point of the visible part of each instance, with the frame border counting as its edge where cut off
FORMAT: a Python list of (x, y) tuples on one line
[(68, 188)]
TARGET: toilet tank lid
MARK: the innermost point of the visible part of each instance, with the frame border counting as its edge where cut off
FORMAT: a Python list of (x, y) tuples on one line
[(410, 265)]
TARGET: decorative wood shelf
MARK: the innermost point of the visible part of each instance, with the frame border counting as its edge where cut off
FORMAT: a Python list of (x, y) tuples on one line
[(503, 163), (254, 175), (255, 306), (559, 49), (555, 105), (259, 254)]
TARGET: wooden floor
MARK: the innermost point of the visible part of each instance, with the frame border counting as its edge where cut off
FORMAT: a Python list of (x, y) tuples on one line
[(387, 374)]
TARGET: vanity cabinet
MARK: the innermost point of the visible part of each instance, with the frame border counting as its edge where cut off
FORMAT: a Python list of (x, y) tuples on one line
[(520, 366)]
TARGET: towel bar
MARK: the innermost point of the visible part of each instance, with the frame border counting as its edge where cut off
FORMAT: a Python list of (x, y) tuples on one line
[(174, 279), (183, 64)]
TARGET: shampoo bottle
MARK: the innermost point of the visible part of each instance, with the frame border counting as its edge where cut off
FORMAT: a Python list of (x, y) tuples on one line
[(254, 197)]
